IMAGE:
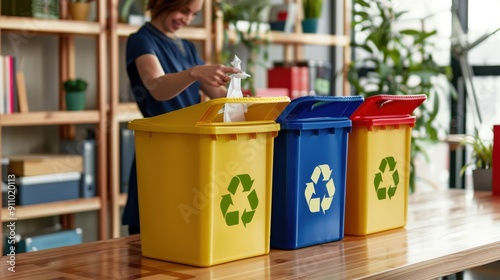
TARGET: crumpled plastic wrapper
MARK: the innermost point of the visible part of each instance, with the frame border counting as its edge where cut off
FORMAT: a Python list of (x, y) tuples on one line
[(235, 112)]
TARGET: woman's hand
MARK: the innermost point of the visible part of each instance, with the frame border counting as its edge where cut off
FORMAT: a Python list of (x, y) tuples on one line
[(213, 75)]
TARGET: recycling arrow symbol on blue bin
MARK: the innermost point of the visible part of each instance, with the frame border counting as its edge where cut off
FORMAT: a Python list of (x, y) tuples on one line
[(232, 217), (321, 175)]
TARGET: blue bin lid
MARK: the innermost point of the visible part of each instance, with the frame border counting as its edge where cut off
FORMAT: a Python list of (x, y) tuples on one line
[(314, 108), (315, 112)]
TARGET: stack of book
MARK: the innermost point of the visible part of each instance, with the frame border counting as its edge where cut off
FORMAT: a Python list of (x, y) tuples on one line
[(12, 90), (46, 177)]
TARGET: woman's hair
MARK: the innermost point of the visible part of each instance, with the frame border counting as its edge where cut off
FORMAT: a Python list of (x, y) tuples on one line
[(158, 7)]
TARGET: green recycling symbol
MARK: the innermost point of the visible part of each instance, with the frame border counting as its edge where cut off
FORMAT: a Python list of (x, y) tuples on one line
[(386, 181), (317, 203), (232, 217)]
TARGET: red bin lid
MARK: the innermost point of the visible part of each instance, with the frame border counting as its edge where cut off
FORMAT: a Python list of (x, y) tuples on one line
[(384, 109)]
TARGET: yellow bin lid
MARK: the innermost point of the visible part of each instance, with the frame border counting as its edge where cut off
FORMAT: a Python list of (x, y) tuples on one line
[(207, 117)]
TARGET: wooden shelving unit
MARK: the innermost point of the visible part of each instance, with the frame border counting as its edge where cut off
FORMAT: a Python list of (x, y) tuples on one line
[(66, 30)]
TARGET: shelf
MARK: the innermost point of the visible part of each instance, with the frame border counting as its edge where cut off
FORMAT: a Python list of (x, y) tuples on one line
[(124, 30), (308, 39), (455, 141), (126, 112), (278, 37), (190, 33), (34, 25), (53, 209), (50, 118)]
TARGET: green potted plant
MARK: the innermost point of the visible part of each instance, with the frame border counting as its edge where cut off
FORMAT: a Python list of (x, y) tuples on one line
[(312, 12), (481, 160), (75, 94), (398, 62)]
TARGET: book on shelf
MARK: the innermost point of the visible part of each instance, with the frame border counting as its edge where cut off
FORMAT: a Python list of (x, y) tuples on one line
[(21, 92), (2, 84), (12, 107), (127, 154), (7, 85), (5, 166), (87, 149), (41, 164), (12, 89)]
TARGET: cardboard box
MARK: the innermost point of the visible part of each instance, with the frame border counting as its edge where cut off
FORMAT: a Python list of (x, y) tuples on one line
[(31, 165)]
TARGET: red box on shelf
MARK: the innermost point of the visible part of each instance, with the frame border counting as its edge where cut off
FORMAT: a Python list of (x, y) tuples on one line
[(294, 78)]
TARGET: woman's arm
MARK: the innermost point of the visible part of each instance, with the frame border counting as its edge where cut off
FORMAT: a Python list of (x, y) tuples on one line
[(166, 86), (214, 92)]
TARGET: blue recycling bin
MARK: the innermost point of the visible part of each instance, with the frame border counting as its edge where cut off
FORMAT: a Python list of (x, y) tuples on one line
[(309, 171)]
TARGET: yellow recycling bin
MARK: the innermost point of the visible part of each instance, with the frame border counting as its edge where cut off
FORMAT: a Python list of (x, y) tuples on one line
[(204, 185), (378, 163)]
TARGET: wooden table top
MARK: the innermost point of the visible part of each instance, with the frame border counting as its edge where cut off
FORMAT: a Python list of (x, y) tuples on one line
[(447, 232)]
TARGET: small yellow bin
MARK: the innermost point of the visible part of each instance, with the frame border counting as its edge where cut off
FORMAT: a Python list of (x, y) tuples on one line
[(204, 185), (378, 164)]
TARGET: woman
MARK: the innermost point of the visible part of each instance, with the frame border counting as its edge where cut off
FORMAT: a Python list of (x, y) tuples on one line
[(166, 74)]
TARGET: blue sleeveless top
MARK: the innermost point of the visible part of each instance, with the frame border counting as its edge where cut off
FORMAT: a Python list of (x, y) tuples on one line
[(174, 56)]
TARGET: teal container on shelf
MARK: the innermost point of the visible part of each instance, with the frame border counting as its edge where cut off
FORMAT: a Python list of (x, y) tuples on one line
[(309, 171)]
